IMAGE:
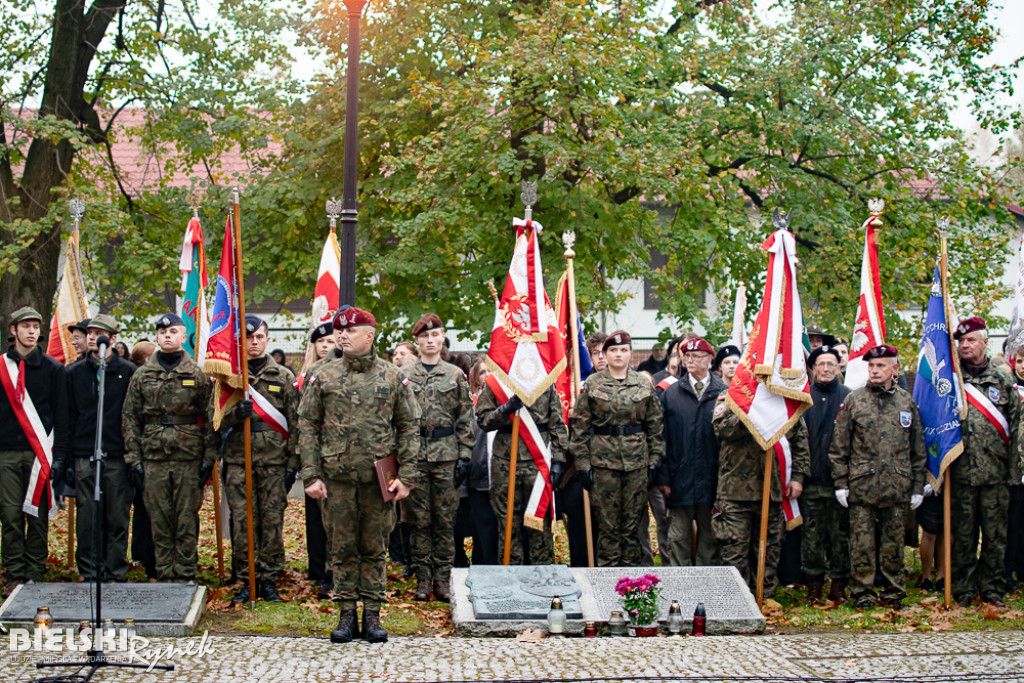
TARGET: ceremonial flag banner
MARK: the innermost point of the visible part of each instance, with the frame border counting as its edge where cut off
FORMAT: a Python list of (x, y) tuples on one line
[(194, 281), (70, 307), (564, 383), (739, 329), (1015, 333), (937, 389), (869, 328), (328, 279), (223, 353)]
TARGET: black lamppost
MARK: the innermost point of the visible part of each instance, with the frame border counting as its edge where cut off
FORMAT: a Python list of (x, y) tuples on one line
[(349, 208)]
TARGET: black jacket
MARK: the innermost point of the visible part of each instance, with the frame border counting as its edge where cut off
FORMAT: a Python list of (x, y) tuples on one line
[(83, 399), (44, 383), (690, 466), (820, 419)]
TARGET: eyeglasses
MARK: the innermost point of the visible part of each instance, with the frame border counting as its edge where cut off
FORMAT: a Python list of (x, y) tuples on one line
[(828, 365)]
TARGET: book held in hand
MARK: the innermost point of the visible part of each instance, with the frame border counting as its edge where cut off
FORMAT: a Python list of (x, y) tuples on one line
[(387, 472)]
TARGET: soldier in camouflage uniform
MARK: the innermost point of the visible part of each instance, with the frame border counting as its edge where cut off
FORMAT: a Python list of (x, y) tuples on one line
[(736, 518), (616, 428), (980, 476), (878, 462), (275, 462), (171, 447), (446, 430), (353, 412)]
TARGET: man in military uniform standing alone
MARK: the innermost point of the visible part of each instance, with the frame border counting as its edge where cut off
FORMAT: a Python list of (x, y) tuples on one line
[(275, 462), (171, 447), (618, 443), (981, 474), (446, 430), (878, 462), (353, 412)]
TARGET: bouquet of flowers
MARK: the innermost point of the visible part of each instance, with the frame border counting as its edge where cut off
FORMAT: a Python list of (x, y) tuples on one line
[(641, 598)]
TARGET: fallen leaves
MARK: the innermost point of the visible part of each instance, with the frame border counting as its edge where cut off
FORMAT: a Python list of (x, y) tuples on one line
[(531, 635)]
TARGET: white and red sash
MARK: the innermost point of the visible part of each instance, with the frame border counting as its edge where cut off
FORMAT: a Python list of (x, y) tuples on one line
[(790, 507), (268, 413), (542, 498), (38, 438), (980, 401), (667, 382)]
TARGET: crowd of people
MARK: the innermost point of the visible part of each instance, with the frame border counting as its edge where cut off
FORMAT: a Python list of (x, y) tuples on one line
[(657, 441)]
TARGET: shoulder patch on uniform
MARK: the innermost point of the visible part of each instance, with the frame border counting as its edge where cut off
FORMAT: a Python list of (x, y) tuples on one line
[(993, 393), (405, 381), (274, 388), (719, 409), (188, 382), (905, 419)]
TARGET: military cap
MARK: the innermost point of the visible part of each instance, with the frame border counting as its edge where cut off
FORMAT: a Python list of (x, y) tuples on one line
[(841, 341), (723, 353), (82, 326), (617, 338), (105, 323), (815, 331), (428, 322), (882, 351), (972, 324), (696, 344), (253, 323), (320, 331), (169, 320), (353, 317), (821, 351), (25, 313)]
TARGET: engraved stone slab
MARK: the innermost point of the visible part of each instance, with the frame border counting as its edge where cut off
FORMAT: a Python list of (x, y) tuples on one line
[(498, 592), (159, 609)]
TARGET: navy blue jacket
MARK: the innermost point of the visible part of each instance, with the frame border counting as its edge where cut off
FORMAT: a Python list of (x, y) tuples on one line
[(690, 466)]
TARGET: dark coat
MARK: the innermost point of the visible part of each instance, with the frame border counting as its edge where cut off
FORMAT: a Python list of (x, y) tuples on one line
[(83, 399), (820, 419), (690, 466), (44, 383)]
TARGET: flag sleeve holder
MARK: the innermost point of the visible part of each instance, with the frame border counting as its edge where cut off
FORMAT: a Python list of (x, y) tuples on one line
[(762, 546), (506, 553)]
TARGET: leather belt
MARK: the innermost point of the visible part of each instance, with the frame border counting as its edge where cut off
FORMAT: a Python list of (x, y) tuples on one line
[(618, 430), (507, 429), (439, 433), (170, 420)]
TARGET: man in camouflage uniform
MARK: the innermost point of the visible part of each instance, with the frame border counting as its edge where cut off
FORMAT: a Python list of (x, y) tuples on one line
[(275, 462), (736, 518), (980, 476), (170, 447), (618, 443), (878, 462), (446, 430), (353, 412)]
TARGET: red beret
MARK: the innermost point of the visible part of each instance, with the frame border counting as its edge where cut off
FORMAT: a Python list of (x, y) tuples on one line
[(882, 351), (352, 317), (617, 338), (696, 344), (428, 322), (972, 324)]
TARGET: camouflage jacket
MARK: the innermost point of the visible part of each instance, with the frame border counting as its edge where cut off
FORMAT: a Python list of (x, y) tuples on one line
[(987, 459), (354, 412), (273, 382), (607, 402), (444, 399), (741, 459), (546, 411), (156, 395), (877, 449)]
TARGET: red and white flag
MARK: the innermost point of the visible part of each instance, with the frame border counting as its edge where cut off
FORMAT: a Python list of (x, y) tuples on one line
[(224, 355), (328, 281), (869, 328), (71, 304)]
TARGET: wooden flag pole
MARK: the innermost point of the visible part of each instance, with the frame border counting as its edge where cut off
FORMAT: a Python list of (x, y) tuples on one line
[(246, 426), (947, 562), (217, 521), (762, 548), (510, 506), (71, 530)]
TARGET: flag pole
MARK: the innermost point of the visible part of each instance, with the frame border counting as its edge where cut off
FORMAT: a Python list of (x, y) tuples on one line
[(762, 547), (947, 559), (569, 239), (246, 432)]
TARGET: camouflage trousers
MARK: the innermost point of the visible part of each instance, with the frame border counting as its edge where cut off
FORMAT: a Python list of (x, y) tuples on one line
[(358, 523), (619, 499), (172, 496), (680, 537), (430, 510), (23, 538), (117, 495), (736, 526), (540, 544), (974, 509), (825, 532), (863, 545), (269, 500)]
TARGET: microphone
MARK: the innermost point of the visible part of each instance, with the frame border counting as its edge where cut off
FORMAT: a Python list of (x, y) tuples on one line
[(102, 344)]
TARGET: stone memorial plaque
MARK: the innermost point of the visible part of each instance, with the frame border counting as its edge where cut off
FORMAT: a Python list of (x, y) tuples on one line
[(503, 593)]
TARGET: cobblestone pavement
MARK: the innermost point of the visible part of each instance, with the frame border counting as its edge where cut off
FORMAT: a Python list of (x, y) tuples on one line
[(911, 657)]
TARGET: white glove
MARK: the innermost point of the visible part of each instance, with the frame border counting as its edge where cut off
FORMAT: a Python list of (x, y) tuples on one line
[(928, 490), (842, 495), (916, 500)]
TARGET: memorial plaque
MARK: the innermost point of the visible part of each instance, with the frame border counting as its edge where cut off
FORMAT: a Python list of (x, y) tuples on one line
[(503, 593)]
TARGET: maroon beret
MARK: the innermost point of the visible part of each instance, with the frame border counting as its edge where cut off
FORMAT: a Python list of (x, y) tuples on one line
[(352, 317), (428, 322), (972, 324), (698, 345), (617, 338), (882, 351)]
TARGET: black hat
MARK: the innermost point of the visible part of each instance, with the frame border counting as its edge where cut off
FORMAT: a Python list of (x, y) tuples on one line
[(820, 351), (169, 320), (82, 326), (320, 331), (725, 352), (253, 323)]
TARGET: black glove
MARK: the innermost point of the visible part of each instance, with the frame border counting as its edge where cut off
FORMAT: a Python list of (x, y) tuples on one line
[(514, 404), (69, 475), (556, 473), (205, 473), (587, 477), (138, 476), (461, 471), (244, 409), (652, 472), (289, 480)]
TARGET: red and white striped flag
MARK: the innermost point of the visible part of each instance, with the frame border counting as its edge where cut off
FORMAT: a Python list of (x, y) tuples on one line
[(328, 281), (71, 304), (869, 328)]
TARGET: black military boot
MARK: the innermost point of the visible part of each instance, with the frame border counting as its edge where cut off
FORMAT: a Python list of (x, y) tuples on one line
[(814, 586), (347, 627), (373, 632), (242, 595), (269, 592)]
